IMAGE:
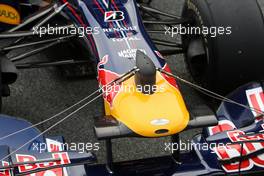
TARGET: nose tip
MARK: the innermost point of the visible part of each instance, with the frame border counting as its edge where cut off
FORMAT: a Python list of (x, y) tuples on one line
[(161, 131)]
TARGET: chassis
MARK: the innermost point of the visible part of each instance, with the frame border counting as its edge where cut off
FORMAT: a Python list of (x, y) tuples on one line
[(119, 45)]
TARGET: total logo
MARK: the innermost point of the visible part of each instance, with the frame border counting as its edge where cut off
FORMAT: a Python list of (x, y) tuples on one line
[(114, 16)]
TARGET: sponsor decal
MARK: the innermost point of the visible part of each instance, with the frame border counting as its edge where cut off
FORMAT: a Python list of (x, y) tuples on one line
[(114, 16), (6, 172), (62, 159), (160, 122), (238, 135), (104, 78), (235, 150), (223, 125), (169, 79), (9, 15), (130, 53), (255, 99), (55, 146), (126, 38), (120, 29)]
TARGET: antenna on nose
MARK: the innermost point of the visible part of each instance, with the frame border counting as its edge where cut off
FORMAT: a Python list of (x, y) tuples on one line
[(146, 74)]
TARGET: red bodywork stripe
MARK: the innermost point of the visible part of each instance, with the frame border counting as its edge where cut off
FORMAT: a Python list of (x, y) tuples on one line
[(116, 7), (126, 25), (82, 23)]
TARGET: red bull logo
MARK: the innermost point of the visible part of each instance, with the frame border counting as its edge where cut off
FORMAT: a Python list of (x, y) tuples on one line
[(62, 157), (166, 68), (235, 150), (104, 78), (223, 125), (169, 79), (6, 172)]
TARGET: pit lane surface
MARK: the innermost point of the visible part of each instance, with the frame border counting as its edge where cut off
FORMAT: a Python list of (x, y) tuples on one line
[(41, 93)]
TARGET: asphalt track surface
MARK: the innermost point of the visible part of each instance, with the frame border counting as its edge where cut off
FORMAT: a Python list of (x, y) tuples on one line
[(41, 93)]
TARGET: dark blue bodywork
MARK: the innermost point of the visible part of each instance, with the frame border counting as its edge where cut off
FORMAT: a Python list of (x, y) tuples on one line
[(116, 38), (119, 40)]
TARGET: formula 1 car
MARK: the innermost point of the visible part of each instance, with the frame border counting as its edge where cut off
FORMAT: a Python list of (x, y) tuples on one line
[(141, 95)]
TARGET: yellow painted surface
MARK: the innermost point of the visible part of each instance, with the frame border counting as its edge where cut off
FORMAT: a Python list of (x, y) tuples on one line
[(9, 15), (138, 111)]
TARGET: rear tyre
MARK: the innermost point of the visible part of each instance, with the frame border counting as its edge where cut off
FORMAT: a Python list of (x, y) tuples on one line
[(234, 56)]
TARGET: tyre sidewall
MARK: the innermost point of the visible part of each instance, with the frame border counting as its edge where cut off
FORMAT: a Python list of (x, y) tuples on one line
[(199, 10)]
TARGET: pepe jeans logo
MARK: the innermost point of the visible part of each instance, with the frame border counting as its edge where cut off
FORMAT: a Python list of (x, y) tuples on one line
[(9, 15), (114, 16)]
